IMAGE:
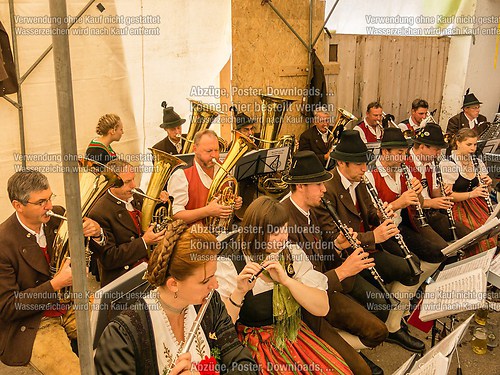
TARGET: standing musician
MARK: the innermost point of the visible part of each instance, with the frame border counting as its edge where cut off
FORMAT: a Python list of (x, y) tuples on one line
[(350, 199), (119, 214), (469, 185), (172, 124), (419, 109), (427, 145), (307, 183), (316, 137), (34, 327), (469, 117), (370, 129), (189, 187)]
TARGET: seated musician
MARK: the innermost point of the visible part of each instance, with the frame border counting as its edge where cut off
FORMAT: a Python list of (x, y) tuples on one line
[(119, 214), (147, 338), (244, 124), (110, 129), (419, 109), (351, 200), (370, 129), (307, 181), (172, 124), (469, 117), (316, 137), (267, 308), (189, 187), (427, 145), (34, 327), (469, 194)]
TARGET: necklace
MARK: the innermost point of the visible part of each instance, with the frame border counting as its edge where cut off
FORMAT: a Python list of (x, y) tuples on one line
[(171, 308)]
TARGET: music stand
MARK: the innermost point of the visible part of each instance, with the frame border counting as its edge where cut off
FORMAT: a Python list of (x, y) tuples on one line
[(112, 299), (263, 161)]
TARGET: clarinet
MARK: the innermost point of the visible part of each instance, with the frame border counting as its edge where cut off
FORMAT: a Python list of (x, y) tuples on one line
[(394, 302), (422, 221), (402, 245), (449, 213), (476, 169)]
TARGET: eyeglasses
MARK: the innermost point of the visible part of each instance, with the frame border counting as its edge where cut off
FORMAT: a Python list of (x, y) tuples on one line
[(43, 202), (475, 107)]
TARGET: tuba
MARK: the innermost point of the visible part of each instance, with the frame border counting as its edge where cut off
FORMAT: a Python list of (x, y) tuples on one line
[(201, 118), (95, 180), (343, 118), (151, 212), (224, 184)]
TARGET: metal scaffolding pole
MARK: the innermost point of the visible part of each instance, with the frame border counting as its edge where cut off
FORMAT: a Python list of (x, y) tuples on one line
[(62, 66)]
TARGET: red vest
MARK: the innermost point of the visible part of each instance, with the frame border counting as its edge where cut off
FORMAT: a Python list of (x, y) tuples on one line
[(416, 173), (197, 192), (370, 137), (408, 125)]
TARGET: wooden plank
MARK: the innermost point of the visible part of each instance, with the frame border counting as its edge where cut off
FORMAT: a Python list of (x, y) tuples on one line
[(418, 79), (426, 63), (371, 69), (405, 91), (386, 68), (345, 83)]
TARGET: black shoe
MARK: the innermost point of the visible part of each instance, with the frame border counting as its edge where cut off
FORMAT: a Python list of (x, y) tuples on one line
[(405, 340), (373, 367)]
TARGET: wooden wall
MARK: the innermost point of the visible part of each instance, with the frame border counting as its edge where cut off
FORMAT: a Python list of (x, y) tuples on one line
[(392, 70), (266, 54)]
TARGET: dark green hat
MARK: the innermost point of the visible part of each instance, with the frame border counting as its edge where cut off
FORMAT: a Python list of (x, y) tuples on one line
[(470, 99), (306, 169), (393, 138), (170, 118), (430, 135), (350, 148)]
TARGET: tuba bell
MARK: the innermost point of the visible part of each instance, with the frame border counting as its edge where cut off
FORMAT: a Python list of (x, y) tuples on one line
[(343, 118), (152, 212), (224, 185), (95, 180)]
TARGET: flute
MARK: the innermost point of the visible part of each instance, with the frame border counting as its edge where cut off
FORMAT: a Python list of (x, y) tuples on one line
[(399, 238), (422, 221), (394, 302), (476, 169), (449, 212), (262, 269)]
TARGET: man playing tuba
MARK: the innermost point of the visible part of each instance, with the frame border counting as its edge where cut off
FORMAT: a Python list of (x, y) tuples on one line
[(189, 187)]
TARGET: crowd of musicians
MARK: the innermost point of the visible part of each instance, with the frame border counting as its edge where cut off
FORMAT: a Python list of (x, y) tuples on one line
[(315, 275)]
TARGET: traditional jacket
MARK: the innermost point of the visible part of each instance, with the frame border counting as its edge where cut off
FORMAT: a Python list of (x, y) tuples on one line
[(460, 121), (311, 140)]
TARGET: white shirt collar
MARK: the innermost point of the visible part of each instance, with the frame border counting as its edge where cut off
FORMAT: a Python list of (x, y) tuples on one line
[(307, 214), (127, 203), (204, 177), (40, 237), (381, 169), (349, 186), (178, 145)]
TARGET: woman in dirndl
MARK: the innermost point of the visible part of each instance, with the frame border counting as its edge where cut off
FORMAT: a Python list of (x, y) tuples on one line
[(470, 181), (267, 308)]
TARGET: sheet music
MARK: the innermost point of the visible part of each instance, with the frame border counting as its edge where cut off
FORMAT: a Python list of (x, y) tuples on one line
[(495, 265), (452, 249), (438, 365), (276, 159), (405, 367), (446, 346), (459, 293), (479, 261)]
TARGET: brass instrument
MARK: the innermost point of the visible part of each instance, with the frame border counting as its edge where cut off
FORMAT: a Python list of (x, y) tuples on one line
[(164, 166), (95, 180), (449, 212), (399, 238), (394, 302), (422, 221), (475, 161), (201, 119), (384, 115), (224, 185), (343, 118), (222, 142)]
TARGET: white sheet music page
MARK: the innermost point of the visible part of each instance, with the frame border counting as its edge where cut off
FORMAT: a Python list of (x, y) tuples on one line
[(452, 249), (438, 365), (479, 261), (495, 265), (405, 367), (458, 293)]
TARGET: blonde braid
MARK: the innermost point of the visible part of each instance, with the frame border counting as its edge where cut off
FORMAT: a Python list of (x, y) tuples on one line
[(159, 259)]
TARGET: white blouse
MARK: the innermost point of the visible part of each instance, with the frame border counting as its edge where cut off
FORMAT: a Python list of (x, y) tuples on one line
[(452, 169), (304, 272)]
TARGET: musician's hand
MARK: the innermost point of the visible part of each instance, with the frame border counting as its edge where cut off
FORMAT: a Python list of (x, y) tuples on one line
[(341, 242), (91, 228), (276, 271), (440, 203), (479, 191), (486, 179), (151, 238), (63, 277), (354, 264), (409, 198), (183, 365), (388, 210), (385, 231), (164, 196), (416, 185), (448, 189), (238, 202), (218, 210), (242, 284)]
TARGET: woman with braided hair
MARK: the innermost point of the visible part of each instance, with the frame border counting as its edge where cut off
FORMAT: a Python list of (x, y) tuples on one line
[(110, 129), (147, 338), (264, 285)]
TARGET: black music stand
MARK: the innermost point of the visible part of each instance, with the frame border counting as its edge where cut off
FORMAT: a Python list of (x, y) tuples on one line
[(260, 162)]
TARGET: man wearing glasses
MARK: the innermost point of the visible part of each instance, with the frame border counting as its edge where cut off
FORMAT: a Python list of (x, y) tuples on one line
[(469, 117), (34, 327), (315, 138)]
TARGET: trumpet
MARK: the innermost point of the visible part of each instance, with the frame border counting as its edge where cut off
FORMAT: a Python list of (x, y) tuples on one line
[(475, 161), (399, 238), (384, 115), (449, 213), (422, 221), (394, 302)]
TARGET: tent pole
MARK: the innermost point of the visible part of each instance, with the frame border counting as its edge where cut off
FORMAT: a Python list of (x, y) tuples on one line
[(313, 43), (62, 66)]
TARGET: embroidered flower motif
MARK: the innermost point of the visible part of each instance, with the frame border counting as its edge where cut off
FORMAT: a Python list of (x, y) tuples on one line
[(212, 336), (207, 366)]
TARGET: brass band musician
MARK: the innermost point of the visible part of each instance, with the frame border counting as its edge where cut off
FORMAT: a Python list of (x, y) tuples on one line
[(370, 129), (316, 137), (419, 109), (172, 124), (469, 117)]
